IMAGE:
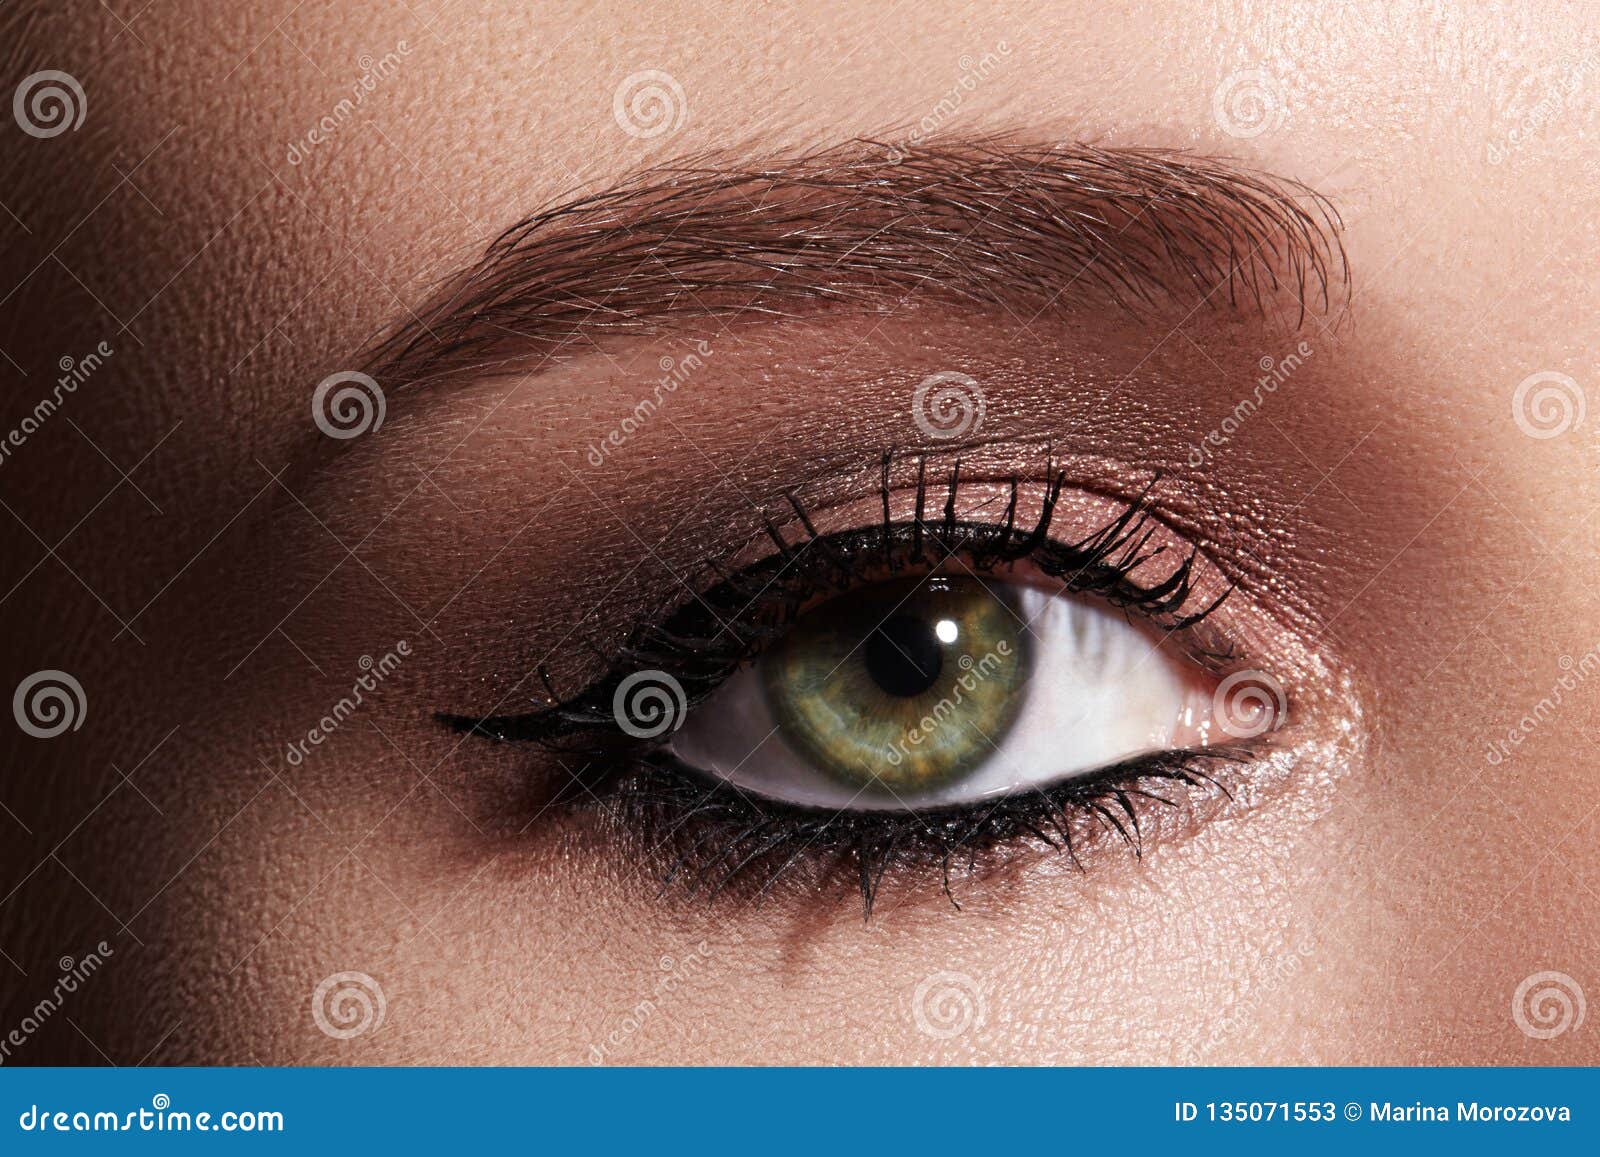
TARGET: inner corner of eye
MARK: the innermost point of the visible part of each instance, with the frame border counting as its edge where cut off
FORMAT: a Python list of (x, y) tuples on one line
[(947, 689)]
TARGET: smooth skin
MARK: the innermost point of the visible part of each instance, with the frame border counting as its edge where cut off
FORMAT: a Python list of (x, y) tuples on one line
[(217, 568)]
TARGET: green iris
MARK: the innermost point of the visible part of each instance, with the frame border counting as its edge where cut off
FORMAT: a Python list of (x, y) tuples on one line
[(904, 686)]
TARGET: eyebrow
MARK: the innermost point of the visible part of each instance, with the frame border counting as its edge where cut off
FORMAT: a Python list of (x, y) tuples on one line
[(1036, 228)]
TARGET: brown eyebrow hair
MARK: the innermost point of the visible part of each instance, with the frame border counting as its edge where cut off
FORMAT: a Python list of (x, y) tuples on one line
[(987, 221)]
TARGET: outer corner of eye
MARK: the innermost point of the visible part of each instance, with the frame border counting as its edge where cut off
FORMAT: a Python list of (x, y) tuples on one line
[(946, 690), (1243, 705)]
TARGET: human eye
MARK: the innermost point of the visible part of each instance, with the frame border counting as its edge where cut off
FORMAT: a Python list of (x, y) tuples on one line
[(982, 665), (943, 690)]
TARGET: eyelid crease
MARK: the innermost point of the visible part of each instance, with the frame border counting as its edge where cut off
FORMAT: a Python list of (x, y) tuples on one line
[(982, 220), (1100, 562)]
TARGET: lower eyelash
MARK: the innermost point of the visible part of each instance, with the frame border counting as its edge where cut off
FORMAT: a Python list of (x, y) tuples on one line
[(717, 840)]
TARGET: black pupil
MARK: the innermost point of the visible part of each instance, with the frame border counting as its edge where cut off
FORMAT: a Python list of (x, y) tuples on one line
[(903, 655)]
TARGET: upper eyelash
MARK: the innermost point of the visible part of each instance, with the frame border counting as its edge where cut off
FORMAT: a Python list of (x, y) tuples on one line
[(700, 648)]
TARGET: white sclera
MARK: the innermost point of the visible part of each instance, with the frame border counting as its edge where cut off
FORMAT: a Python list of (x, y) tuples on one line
[(1101, 690)]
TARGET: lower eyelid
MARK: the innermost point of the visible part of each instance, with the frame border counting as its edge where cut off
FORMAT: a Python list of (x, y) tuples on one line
[(707, 841), (690, 839)]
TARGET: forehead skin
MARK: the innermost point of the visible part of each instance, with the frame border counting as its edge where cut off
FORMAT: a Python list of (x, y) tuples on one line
[(230, 280)]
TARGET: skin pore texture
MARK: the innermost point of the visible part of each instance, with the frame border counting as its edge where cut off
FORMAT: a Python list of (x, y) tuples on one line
[(1412, 564)]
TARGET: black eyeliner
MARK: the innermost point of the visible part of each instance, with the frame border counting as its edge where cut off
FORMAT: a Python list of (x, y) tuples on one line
[(710, 636)]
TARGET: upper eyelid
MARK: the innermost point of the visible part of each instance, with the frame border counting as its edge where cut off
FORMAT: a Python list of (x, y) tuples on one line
[(978, 220), (1125, 535)]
